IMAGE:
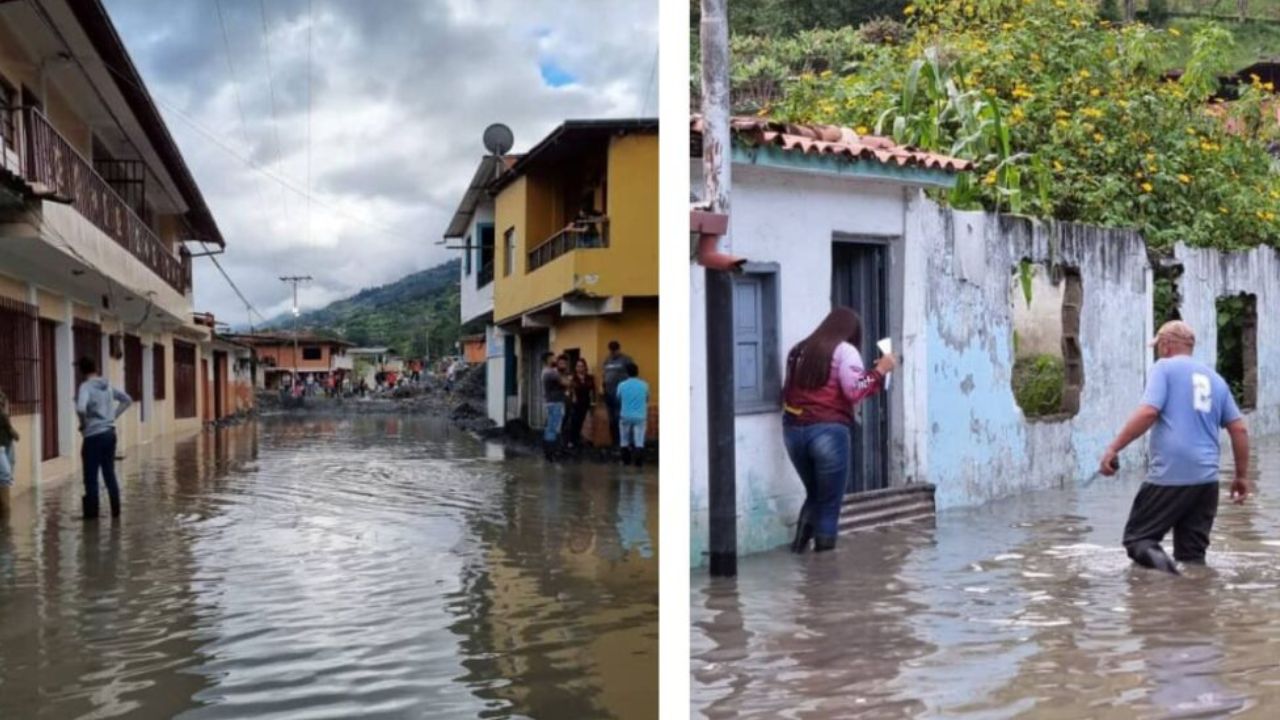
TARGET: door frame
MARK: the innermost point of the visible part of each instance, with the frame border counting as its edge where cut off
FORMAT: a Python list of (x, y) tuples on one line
[(882, 246), (50, 401)]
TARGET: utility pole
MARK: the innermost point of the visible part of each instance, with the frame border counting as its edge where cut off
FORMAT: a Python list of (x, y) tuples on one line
[(716, 159), (294, 280)]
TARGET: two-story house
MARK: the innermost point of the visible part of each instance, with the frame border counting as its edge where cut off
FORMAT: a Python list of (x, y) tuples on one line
[(97, 207), (281, 357), (472, 227), (575, 222)]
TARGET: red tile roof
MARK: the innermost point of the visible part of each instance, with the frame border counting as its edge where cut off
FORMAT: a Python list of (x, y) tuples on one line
[(835, 141)]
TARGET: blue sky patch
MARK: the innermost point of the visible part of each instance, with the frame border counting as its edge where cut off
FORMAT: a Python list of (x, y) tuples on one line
[(554, 75)]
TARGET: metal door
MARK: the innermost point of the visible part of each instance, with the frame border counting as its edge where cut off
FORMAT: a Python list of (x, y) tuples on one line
[(534, 346), (858, 281)]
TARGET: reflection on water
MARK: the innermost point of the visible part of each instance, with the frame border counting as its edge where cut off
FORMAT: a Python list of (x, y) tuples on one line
[(363, 567), (1022, 608)]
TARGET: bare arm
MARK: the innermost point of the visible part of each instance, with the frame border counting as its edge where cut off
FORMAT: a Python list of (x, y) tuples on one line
[(1239, 433), (1137, 425)]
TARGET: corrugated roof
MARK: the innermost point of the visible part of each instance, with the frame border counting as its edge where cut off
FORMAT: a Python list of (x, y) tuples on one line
[(832, 140)]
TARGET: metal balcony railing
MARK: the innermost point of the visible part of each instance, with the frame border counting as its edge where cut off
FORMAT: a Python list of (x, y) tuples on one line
[(50, 160), (582, 234)]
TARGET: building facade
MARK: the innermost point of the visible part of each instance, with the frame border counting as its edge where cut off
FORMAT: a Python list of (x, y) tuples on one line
[(279, 357), (97, 208), (575, 259)]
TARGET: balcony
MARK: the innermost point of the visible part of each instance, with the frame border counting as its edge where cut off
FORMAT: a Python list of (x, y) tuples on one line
[(50, 160), (580, 235)]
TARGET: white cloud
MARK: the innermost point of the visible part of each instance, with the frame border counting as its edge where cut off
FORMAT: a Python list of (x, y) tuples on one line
[(401, 91)]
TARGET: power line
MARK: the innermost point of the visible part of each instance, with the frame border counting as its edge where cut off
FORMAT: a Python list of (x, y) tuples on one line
[(234, 287), (271, 85), (653, 70)]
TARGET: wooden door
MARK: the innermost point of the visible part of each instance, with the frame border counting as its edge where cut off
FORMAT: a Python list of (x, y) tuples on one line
[(48, 390)]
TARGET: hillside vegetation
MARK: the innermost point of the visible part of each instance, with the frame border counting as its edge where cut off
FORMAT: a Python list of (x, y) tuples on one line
[(404, 315), (1066, 114)]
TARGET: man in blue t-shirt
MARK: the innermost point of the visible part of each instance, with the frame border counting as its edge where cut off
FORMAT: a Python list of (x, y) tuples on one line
[(633, 414), (1188, 404)]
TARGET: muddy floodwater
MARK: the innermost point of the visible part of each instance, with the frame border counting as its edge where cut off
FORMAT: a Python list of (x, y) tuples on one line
[(363, 567), (1025, 608)]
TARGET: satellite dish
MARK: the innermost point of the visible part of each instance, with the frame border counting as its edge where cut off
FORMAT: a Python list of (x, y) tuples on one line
[(498, 139)]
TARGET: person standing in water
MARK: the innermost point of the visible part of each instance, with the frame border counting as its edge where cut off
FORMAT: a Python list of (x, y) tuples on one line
[(1187, 404), (614, 370), (554, 382), (633, 415), (99, 405), (825, 379), (8, 436)]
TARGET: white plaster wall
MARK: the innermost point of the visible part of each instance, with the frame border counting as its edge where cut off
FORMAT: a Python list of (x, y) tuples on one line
[(1208, 275), (474, 301), (495, 375), (1038, 324), (786, 218)]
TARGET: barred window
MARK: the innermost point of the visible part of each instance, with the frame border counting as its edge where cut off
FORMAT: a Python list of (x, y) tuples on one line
[(158, 371), (19, 360)]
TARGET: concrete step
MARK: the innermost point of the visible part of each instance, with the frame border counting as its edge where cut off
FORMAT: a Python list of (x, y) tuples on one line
[(878, 508)]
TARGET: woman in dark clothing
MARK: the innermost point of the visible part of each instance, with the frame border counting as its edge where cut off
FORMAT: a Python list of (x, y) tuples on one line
[(582, 397), (825, 380)]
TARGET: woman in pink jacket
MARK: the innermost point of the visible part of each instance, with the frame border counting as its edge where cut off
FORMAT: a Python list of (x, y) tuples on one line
[(825, 380)]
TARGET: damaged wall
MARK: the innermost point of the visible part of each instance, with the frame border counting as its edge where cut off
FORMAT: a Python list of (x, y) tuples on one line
[(979, 444), (1208, 275)]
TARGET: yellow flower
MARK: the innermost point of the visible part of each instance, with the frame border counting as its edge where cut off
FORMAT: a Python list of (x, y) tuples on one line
[(989, 178), (1223, 210), (909, 10), (1057, 166), (1094, 92), (1062, 114), (1191, 131), (1084, 74), (1151, 156), (1269, 87), (1017, 112), (1006, 26), (825, 74), (1097, 137), (1175, 32), (1274, 195), (862, 130), (1061, 123), (1076, 23), (1146, 187), (1184, 178), (1137, 174), (1091, 112)]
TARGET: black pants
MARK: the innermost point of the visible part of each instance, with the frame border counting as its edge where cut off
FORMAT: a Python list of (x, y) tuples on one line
[(1188, 510), (614, 406), (98, 454), (577, 418)]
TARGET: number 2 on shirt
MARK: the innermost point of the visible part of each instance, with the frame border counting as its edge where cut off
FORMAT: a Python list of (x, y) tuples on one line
[(1203, 392)]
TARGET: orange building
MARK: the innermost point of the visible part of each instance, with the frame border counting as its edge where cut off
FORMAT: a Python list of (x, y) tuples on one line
[(280, 356)]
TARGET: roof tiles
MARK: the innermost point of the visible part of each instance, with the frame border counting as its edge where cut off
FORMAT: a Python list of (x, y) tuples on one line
[(836, 141)]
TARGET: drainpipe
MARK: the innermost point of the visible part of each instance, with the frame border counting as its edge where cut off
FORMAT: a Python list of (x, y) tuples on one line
[(721, 470)]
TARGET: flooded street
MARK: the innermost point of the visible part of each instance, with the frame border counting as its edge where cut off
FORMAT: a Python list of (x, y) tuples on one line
[(336, 568), (1022, 608)]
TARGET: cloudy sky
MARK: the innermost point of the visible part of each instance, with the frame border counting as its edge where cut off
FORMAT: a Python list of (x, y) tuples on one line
[(400, 93)]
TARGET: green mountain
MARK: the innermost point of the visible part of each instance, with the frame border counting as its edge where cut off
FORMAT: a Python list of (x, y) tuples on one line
[(404, 315)]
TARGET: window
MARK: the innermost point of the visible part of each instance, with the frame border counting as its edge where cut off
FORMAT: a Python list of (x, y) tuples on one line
[(19, 360), (157, 371), (8, 116), (466, 257), (133, 366), (509, 252), (485, 250), (184, 380), (86, 339), (311, 353), (1048, 367), (1238, 347), (756, 365)]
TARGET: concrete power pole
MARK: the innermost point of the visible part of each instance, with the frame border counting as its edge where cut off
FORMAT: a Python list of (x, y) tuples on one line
[(294, 280), (716, 160)]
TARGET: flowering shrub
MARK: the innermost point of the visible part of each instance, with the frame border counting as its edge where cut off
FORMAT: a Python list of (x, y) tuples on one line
[(1066, 115)]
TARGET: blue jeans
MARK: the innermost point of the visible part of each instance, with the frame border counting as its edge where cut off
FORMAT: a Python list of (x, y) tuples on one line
[(821, 455), (555, 418), (632, 432), (98, 453), (6, 465)]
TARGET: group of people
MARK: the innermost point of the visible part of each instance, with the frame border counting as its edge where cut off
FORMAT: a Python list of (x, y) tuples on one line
[(570, 396), (1186, 404), (98, 405)]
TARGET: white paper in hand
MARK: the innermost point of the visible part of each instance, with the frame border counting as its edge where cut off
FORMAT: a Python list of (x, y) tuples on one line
[(886, 348)]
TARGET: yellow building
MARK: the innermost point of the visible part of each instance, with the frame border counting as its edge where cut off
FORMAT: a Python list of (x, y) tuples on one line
[(576, 262), (96, 205)]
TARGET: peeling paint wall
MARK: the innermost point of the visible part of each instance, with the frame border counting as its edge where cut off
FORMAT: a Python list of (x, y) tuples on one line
[(980, 446), (1208, 275)]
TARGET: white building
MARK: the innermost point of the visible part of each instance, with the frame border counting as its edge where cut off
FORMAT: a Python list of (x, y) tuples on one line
[(472, 228)]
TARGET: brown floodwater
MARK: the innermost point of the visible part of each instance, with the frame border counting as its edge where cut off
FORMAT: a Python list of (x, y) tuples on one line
[(1024, 608), (335, 568)]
